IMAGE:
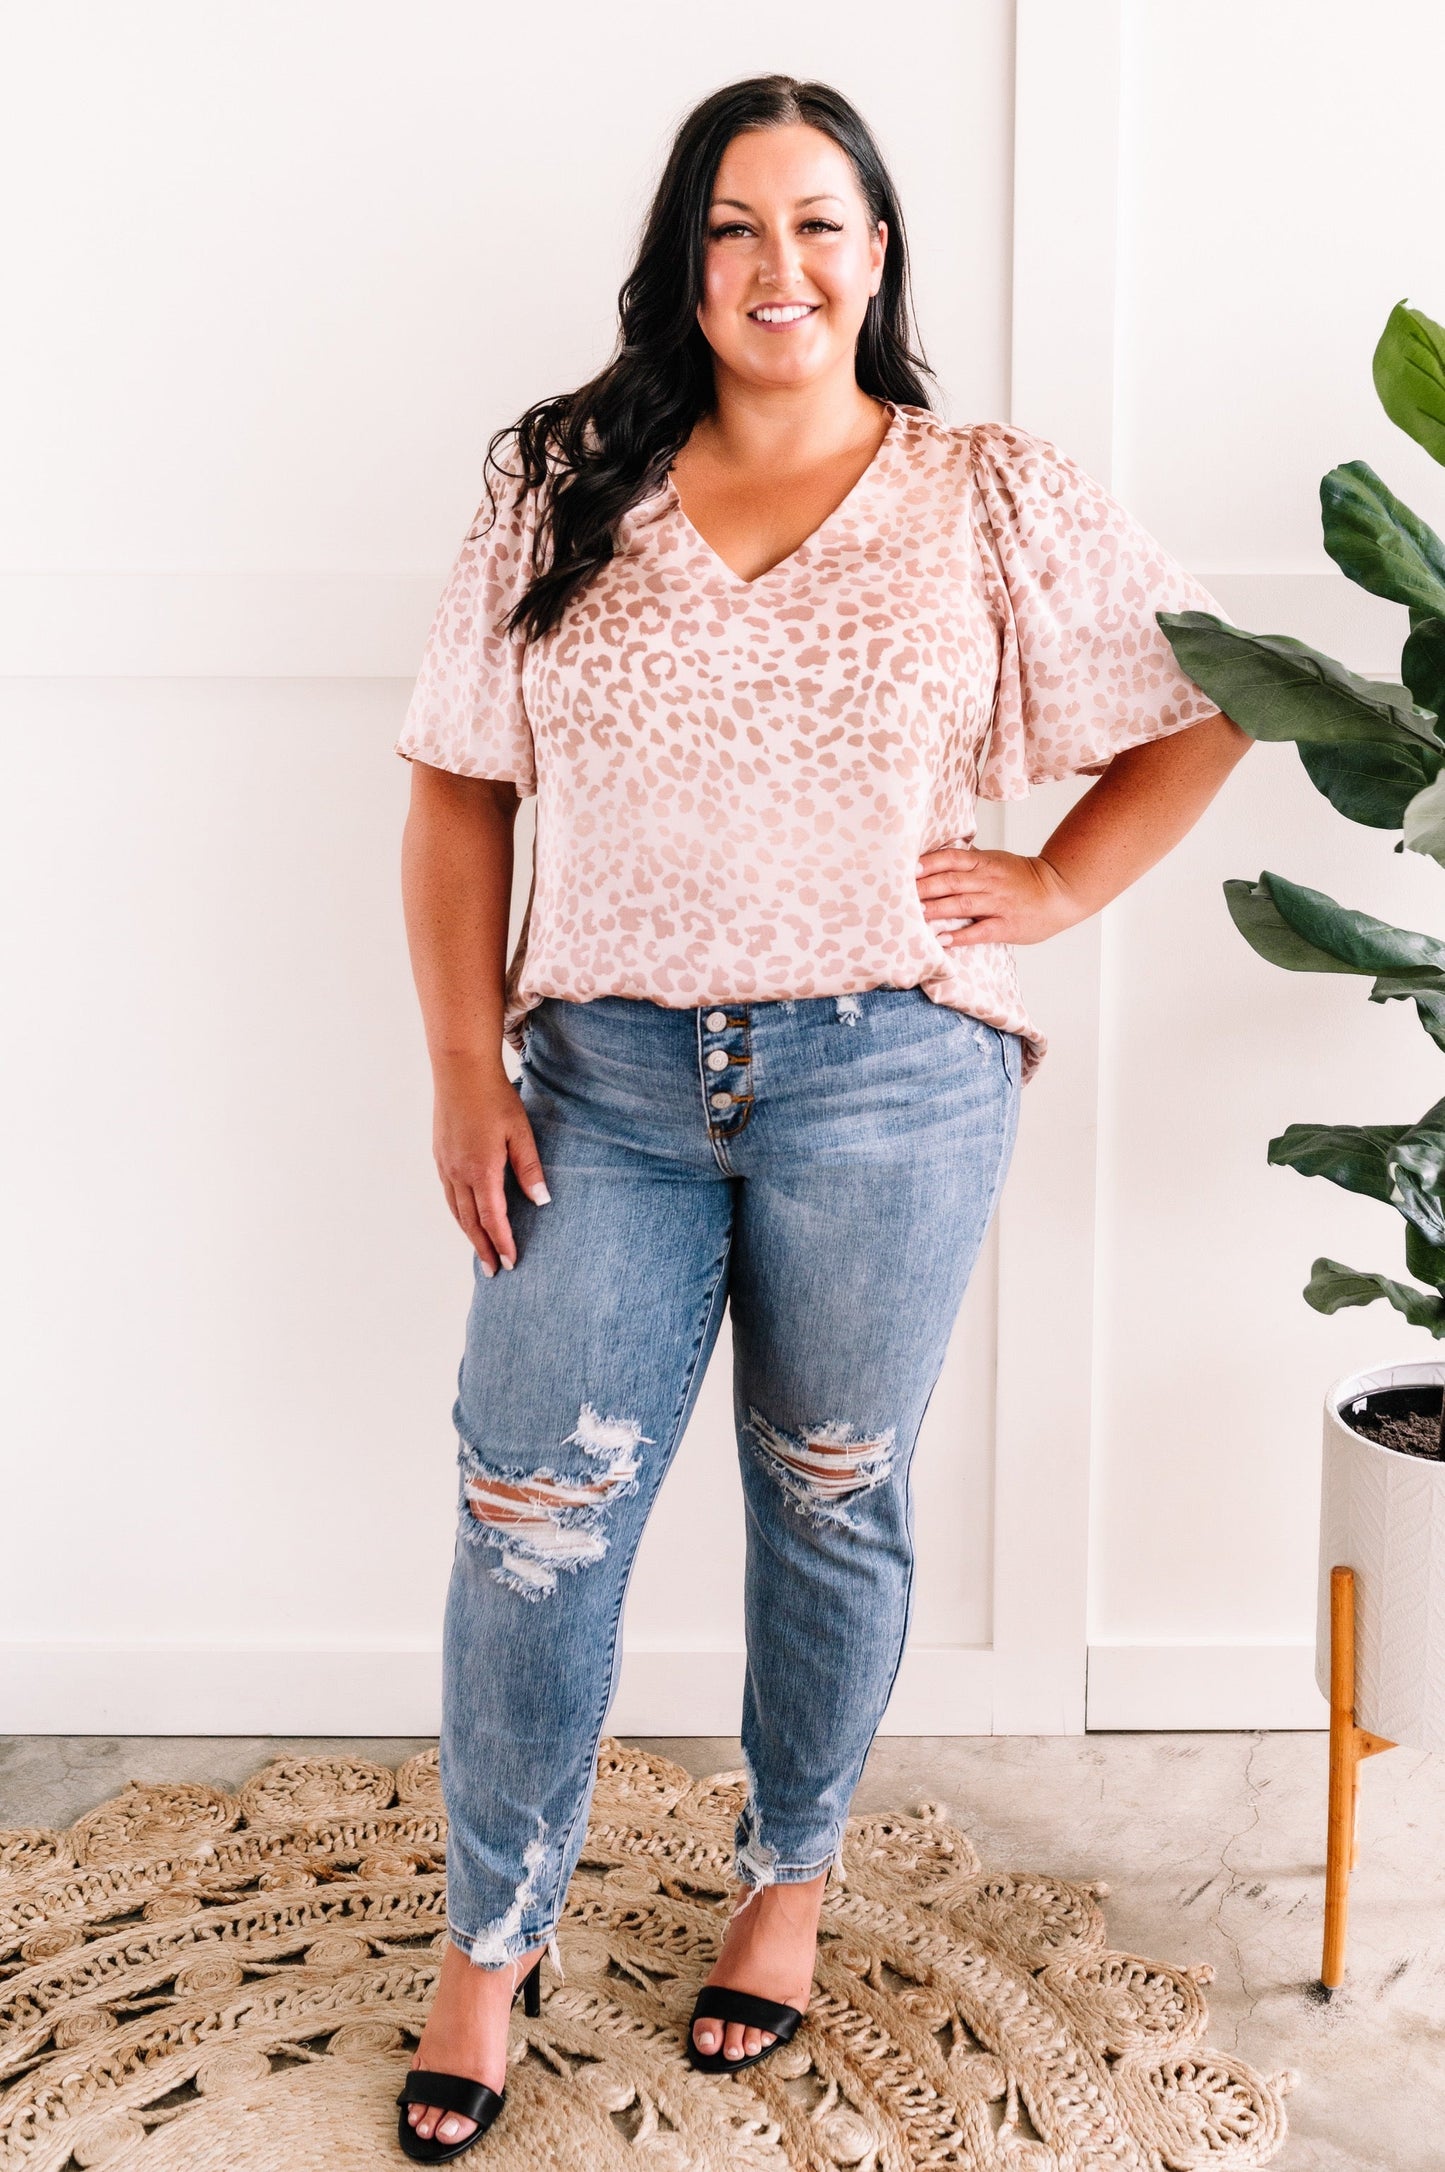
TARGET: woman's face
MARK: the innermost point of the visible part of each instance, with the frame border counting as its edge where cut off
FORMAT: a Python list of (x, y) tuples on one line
[(791, 258)]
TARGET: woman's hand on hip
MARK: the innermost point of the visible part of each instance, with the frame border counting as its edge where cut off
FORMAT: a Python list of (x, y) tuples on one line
[(1004, 897), (479, 1126)]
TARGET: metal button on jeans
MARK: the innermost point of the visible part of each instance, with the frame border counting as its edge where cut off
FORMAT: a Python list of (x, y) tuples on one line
[(717, 1061), (715, 1021), (721, 1101)]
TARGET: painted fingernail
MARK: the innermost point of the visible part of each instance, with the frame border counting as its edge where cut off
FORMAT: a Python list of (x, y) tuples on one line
[(509, 1264), (540, 1194), (486, 1270)]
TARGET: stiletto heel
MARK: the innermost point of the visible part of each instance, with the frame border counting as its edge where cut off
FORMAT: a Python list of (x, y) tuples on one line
[(455, 2093)]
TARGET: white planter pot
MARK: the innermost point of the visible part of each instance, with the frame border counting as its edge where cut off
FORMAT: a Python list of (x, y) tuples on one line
[(1382, 1514)]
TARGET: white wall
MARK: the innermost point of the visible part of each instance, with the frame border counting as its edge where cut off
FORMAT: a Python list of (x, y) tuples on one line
[(284, 270), (280, 272), (1259, 257)]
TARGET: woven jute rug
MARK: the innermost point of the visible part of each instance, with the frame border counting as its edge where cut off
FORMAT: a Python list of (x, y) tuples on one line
[(200, 1982)]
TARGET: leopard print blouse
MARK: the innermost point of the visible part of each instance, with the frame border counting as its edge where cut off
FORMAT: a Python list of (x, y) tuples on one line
[(735, 778)]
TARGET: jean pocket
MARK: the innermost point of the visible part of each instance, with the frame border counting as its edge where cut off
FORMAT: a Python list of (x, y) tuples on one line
[(1012, 1054)]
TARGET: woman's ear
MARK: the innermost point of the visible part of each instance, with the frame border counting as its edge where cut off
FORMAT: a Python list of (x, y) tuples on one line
[(878, 252)]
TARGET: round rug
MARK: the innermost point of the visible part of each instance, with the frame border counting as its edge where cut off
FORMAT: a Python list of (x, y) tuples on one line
[(192, 1981)]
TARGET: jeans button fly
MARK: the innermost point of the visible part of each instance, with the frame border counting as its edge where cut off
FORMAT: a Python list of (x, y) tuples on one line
[(717, 1061), (715, 1021), (721, 1101)]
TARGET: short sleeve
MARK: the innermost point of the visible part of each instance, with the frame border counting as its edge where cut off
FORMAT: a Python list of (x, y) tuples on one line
[(1084, 671), (466, 711)]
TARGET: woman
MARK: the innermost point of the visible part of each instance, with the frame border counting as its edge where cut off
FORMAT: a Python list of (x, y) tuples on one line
[(758, 629)]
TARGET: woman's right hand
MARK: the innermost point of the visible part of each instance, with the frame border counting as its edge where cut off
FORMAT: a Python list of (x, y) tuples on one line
[(479, 1126)]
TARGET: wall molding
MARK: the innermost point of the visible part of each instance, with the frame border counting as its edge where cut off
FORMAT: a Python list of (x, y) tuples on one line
[(373, 626), (1068, 67), (215, 625), (1324, 609), (347, 1690), (189, 1689), (1189, 1687)]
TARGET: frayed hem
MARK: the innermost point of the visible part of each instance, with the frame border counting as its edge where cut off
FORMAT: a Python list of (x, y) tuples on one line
[(468, 1946), (790, 1873)]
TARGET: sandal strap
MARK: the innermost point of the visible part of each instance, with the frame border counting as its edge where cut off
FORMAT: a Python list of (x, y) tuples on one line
[(716, 2003), (449, 2093)]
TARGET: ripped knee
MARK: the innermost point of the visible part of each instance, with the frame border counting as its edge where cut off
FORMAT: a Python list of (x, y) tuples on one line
[(544, 1521), (823, 1467)]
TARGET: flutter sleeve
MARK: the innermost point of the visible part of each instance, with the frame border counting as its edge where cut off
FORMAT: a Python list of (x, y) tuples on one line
[(466, 711), (1084, 671)]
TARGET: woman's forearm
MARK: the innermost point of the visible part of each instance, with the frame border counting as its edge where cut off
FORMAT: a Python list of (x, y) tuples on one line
[(1137, 811), (456, 890)]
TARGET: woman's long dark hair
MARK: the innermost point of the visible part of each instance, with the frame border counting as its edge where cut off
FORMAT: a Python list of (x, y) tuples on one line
[(592, 454)]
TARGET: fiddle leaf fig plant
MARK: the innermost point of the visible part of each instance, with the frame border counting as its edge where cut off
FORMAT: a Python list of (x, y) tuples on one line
[(1376, 750)]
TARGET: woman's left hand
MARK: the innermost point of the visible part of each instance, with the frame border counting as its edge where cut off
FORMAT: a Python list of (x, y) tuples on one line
[(1004, 896)]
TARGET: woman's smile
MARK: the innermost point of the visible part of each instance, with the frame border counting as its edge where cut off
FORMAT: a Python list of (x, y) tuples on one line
[(782, 316)]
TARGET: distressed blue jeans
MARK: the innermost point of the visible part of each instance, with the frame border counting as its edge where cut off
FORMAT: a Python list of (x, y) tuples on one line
[(827, 1168)]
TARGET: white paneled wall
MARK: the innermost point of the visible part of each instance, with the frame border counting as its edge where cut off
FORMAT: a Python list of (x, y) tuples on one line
[(285, 270), (1255, 276), (282, 270)]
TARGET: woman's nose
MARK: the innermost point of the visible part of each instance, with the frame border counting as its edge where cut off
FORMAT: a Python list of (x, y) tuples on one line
[(780, 261)]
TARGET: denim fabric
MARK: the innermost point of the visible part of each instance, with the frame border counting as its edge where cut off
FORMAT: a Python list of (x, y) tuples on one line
[(826, 1167)]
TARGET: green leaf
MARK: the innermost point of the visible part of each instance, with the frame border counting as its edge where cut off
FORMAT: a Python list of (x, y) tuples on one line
[(1417, 1164), (1401, 1164), (1332, 1286), (1426, 989), (1275, 687), (1307, 932), (1365, 944), (1354, 1156), (1409, 373), (1424, 821), (1372, 781), (1422, 664), (1425, 1261), (1378, 541), (1259, 921)]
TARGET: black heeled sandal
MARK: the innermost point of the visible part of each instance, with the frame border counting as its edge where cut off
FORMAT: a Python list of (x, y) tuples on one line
[(715, 2003), (454, 2093)]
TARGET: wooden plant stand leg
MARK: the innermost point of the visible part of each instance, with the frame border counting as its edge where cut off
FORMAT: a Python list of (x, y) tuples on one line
[(1349, 1744)]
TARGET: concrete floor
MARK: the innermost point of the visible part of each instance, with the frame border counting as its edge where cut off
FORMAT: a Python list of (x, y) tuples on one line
[(1213, 1845)]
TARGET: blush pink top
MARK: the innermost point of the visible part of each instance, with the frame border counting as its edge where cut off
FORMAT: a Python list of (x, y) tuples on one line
[(735, 778)]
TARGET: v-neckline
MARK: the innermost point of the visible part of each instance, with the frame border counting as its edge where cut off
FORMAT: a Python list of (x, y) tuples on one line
[(783, 565)]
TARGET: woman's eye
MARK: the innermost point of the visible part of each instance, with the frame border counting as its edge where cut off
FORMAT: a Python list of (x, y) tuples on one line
[(809, 226)]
